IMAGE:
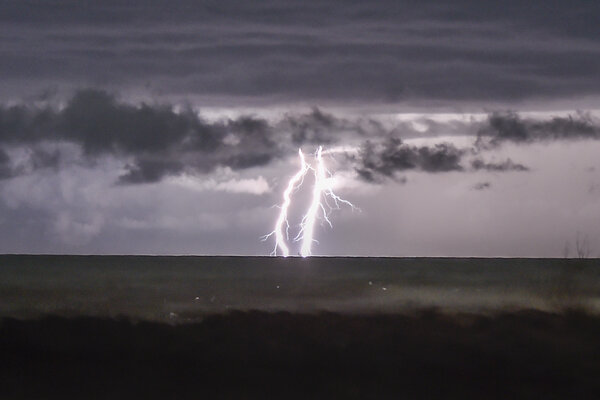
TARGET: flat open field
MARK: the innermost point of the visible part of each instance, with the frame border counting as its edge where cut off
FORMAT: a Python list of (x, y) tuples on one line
[(235, 327), (184, 289)]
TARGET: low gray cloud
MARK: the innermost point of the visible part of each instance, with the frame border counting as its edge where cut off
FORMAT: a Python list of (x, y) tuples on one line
[(149, 170), (155, 140), (35, 158), (510, 127), (506, 165), (41, 158), (160, 140), (316, 127), (482, 186), (5, 169), (384, 160), (101, 124)]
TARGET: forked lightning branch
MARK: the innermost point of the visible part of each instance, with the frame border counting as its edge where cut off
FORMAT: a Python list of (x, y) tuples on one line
[(322, 202)]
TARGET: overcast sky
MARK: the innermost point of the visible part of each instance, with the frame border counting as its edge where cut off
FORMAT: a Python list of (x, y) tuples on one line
[(458, 128)]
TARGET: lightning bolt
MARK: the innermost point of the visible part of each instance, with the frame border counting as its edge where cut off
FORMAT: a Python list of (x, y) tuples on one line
[(321, 192), (294, 182)]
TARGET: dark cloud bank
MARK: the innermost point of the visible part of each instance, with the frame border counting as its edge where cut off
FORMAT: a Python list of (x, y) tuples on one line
[(378, 161), (393, 156), (159, 141), (509, 127), (270, 51), (385, 160)]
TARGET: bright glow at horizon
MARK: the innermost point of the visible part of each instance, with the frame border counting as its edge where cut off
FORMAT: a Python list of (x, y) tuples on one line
[(321, 190)]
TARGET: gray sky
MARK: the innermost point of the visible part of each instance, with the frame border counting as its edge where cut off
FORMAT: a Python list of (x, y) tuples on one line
[(459, 128)]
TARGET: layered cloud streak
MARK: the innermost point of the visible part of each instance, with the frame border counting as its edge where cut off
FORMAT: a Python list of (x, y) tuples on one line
[(385, 52)]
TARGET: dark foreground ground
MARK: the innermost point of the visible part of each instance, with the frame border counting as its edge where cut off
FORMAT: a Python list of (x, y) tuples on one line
[(521, 354)]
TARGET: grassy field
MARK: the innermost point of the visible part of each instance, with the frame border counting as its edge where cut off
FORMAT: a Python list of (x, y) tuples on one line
[(320, 328), (185, 289)]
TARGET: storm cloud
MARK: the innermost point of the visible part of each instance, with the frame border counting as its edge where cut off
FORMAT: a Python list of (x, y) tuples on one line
[(155, 140), (5, 170), (510, 127), (384, 160), (482, 186), (364, 52), (506, 165), (158, 140), (316, 127), (161, 139)]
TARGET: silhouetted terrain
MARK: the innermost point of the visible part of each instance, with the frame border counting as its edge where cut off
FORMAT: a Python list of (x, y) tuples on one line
[(426, 354)]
